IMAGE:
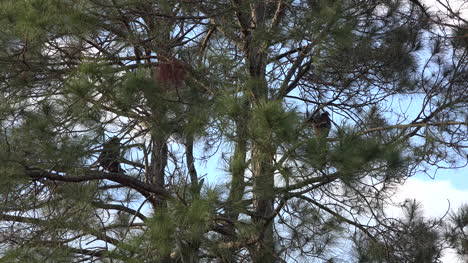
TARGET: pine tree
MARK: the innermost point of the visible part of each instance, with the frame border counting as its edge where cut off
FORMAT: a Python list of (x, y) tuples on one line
[(456, 231), (210, 102), (413, 239)]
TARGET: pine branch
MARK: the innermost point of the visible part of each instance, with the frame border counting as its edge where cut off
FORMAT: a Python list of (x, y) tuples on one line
[(340, 217), (279, 14), (119, 208), (129, 181), (39, 222), (322, 180), (418, 124)]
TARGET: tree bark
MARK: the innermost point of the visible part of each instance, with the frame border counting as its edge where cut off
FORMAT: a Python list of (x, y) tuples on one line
[(157, 168), (262, 172)]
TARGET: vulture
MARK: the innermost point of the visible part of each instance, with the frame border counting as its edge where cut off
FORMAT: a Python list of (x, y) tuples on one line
[(110, 156), (321, 124)]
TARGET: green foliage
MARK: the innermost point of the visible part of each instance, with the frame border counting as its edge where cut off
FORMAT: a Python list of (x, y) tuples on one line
[(197, 116), (76, 71), (134, 85), (237, 165), (354, 154), (9, 175), (38, 254), (35, 18), (170, 230), (37, 143), (316, 152), (456, 231), (271, 125), (230, 106), (415, 240), (82, 88), (323, 11)]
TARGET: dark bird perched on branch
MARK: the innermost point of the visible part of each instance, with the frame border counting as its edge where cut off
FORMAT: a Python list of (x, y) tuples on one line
[(321, 124), (109, 158)]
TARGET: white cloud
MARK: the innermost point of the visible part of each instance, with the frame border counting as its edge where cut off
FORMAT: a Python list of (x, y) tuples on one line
[(435, 195)]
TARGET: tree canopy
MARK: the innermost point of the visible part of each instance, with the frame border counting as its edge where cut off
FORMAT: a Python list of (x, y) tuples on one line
[(201, 111)]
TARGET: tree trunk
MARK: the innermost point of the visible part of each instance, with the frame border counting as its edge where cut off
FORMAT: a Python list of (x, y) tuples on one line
[(237, 168), (264, 250), (262, 160), (157, 168)]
